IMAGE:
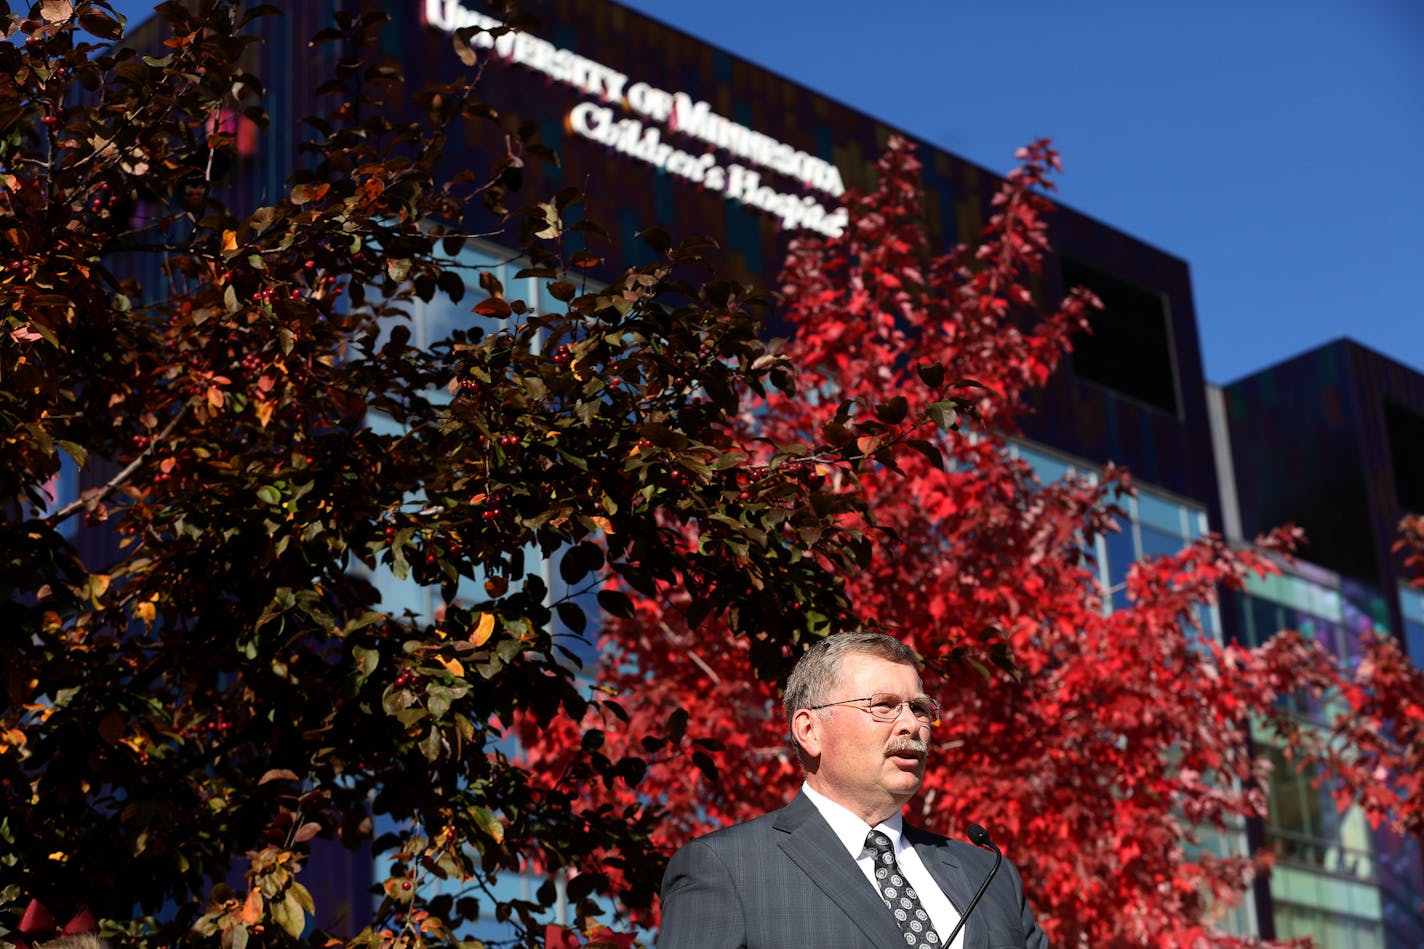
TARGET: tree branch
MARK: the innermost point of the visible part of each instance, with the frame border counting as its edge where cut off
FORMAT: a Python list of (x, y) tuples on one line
[(90, 498)]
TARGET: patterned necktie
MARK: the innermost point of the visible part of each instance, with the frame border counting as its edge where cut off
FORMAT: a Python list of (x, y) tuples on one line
[(914, 922)]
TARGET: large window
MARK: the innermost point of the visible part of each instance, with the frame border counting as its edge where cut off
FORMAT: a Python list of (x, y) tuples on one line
[(1130, 347), (1406, 455), (1156, 525), (1411, 605), (1330, 927), (1325, 882)]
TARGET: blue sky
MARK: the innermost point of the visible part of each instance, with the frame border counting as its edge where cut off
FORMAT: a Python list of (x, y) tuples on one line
[(1271, 144)]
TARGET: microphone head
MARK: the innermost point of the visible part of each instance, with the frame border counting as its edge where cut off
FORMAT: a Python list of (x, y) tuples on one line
[(979, 836)]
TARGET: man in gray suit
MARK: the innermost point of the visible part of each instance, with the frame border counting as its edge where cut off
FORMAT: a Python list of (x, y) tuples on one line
[(838, 868)]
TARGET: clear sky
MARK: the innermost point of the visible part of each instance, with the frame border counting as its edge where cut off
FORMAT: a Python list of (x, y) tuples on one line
[(1272, 144)]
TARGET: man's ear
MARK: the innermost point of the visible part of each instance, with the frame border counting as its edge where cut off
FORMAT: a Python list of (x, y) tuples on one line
[(806, 729)]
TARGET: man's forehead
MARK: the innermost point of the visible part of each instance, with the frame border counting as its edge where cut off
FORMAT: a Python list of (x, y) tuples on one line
[(867, 666)]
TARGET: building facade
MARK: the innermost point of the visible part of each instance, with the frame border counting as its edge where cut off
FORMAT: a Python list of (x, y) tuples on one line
[(658, 127)]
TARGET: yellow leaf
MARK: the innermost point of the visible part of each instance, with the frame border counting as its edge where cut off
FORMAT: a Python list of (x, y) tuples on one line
[(264, 412), (146, 612), (59, 856), (229, 241), (252, 909), (288, 914), (453, 666), (483, 629), (303, 898)]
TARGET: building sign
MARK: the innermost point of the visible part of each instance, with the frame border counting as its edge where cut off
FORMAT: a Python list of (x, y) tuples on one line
[(632, 120)]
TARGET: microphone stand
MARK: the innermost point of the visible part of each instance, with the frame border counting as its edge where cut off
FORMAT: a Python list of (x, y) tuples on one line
[(980, 838)]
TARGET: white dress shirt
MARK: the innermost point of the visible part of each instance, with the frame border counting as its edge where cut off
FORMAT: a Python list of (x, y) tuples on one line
[(851, 831)]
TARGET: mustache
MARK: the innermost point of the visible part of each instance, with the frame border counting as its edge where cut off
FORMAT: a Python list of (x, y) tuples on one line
[(907, 744)]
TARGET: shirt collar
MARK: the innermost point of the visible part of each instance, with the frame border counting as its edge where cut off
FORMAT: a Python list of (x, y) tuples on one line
[(849, 829)]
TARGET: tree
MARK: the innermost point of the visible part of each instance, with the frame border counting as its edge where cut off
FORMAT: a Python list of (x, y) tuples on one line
[(216, 673), (1102, 749), (1375, 748)]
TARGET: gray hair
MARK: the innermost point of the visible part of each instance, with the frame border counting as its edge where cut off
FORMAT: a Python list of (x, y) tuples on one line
[(818, 671), (75, 941)]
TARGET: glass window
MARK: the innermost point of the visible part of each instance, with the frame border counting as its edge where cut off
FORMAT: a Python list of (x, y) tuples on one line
[(1414, 640), (437, 319), (62, 488), (1046, 468), (1210, 622), (1121, 554), (1411, 605), (1267, 619), (1162, 514), (1154, 526), (1157, 543)]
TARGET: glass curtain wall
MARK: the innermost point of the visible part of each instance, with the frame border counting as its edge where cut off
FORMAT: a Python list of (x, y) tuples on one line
[(1156, 524), (1326, 882)]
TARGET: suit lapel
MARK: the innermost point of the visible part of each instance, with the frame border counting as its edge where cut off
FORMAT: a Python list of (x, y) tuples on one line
[(811, 844), (939, 861)]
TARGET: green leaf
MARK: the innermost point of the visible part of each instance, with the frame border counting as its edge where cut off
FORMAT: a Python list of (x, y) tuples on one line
[(944, 416), (269, 494), (432, 745), (288, 914), (303, 897), (488, 823), (74, 450), (366, 661)]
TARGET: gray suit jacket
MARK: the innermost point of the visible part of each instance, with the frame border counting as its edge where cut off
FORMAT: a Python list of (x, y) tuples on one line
[(785, 881)]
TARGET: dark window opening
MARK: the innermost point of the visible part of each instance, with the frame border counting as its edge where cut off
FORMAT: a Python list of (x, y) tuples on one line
[(1406, 455), (1130, 348)]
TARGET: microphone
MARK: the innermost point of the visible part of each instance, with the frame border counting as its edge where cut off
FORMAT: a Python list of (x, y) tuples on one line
[(980, 838)]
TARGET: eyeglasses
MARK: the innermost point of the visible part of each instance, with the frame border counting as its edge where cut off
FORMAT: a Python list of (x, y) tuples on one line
[(885, 707)]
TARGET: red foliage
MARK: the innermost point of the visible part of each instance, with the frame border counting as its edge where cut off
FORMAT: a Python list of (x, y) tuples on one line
[(1411, 543), (1110, 740)]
